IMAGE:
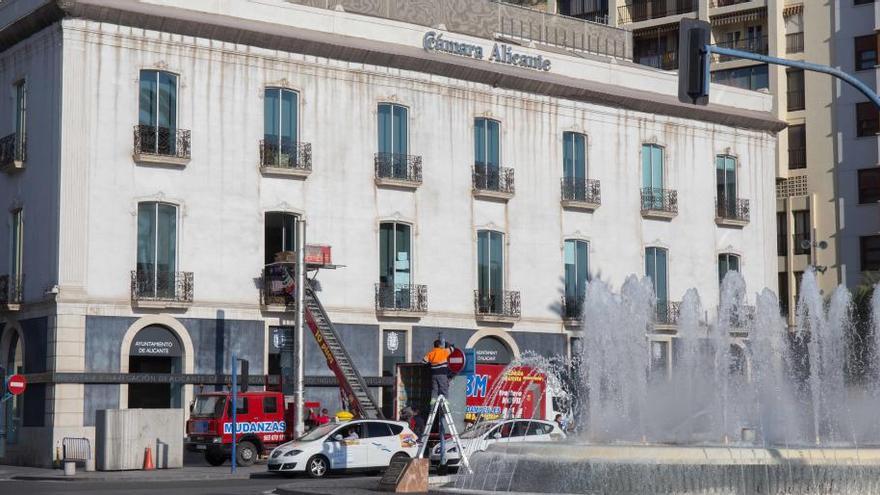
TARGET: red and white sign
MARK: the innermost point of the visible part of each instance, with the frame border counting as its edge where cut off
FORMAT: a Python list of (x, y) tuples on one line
[(456, 361), (16, 384)]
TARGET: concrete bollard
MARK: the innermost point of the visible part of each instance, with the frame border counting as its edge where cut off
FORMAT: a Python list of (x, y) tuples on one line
[(69, 468), (90, 465)]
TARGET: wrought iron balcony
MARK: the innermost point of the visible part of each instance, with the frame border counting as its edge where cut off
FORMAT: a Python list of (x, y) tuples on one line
[(398, 170), (584, 194), (286, 158), (757, 44), (401, 299), (740, 316), (278, 288), (493, 183), (12, 152), (572, 310), (161, 145), (161, 289), (11, 292), (667, 312), (653, 9), (659, 203), (497, 305), (731, 211)]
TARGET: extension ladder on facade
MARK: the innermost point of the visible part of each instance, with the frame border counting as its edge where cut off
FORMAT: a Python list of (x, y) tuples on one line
[(354, 388)]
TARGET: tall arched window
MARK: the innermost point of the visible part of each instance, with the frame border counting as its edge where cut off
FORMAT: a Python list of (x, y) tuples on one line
[(156, 249), (576, 275), (727, 262), (157, 116), (487, 153), (656, 269), (279, 234), (395, 266), (725, 183), (490, 270), (280, 128), (653, 179)]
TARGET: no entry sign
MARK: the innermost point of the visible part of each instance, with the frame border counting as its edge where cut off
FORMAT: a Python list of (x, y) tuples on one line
[(16, 384), (456, 361)]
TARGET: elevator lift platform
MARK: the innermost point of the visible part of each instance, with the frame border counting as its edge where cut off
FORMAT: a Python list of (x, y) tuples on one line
[(355, 394)]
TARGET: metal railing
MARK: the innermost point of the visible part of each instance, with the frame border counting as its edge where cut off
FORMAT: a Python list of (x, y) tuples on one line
[(794, 43), (11, 289), (402, 297), (161, 286), (286, 155), (654, 9), (12, 149), (658, 199), (161, 141), (76, 449), (399, 167), (667, 312), (663, 61), (278, 287), (497, 303), (732, 208), (740, 316), (802, 243), (498, 179), (756, 44), (572, 307), (796, 100), (797, 158), (582, 190), (726, 3)]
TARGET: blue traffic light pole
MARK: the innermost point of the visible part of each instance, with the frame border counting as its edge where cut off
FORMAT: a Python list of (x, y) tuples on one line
[(233, 364), (849, 79)]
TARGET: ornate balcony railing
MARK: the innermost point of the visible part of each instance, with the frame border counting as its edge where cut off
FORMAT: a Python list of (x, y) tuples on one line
[(278, 286), (667, 312), (409, 298), (174, 287), (757, 44), (581, 190), (794, 42), (162, 141), (732, 209), (12, 150), (11, 289), (661, 200), (740, 316), (286, 155), (398, 167), (653, 9), (572, 308), (499, 180), (497, 303)]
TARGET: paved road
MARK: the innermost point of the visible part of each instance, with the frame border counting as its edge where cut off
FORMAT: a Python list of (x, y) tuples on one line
[(254, 486)]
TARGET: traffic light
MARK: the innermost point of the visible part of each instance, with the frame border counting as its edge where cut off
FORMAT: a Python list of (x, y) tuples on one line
[(244, 375), (693, 36)]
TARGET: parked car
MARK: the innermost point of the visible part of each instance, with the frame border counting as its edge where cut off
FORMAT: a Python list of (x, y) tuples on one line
[(481, 436), (359, 445)]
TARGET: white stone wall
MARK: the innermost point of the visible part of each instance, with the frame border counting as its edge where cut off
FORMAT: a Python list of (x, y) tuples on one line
[(223, 196)]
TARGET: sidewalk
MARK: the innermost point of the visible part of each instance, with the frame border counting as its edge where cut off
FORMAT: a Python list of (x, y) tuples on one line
[(346, 485), (186, 473)]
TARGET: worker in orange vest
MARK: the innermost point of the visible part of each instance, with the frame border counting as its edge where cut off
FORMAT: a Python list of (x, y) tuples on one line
[(438, 359)]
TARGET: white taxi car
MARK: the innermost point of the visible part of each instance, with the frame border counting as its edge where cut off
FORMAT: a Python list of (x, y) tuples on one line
[(484, 434), (350, 446)]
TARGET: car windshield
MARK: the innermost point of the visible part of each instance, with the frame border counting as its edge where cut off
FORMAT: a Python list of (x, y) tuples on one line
[(318, 433), (478, 430), (209, 406)]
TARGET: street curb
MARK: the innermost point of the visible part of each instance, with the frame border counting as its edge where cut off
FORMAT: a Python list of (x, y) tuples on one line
[(206, 476)]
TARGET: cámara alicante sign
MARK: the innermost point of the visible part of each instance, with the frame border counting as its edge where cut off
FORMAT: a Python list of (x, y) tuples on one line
[(500, 53)]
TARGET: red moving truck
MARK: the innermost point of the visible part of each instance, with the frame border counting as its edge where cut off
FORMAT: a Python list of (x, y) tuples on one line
[(262, 423)]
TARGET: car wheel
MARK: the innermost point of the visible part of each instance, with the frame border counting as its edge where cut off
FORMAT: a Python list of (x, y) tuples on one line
[(246, 454), (317, 466), (397, 457), (215, 456)]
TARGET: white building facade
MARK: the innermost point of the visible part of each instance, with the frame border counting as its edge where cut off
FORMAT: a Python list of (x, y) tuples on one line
[(162, 151)]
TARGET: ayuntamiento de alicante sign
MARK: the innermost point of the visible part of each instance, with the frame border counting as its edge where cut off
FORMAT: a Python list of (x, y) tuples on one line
[(500, 53)]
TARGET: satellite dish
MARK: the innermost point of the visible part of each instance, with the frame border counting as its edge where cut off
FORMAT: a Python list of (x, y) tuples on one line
[(823, 244)]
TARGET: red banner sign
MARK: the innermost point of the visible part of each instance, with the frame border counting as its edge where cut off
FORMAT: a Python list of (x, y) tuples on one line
[(520, 393)]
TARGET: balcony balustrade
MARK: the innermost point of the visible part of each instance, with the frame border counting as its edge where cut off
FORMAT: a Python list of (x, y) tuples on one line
[(12, 152), (659, 203), (11, 292), (572, 310), (161, 289), (581, 194), (398, 170), (497, 306), (278, 288), (401, 300), (285, 158), (731, 212), (493, 182), (667, 313), (653, 9), (758, 44), (161, 145)]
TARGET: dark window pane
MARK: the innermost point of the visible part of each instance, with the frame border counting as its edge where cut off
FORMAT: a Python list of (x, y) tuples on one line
[(866, 51), (797, 146), (395, 429), (870, 252), (801, 231), (270, 404), (869, 185), (867, 119), (376, 430), (242, 405), (781, 234), (795, 83)]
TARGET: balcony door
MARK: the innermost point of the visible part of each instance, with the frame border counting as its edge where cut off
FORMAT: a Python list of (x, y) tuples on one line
[(725, 183), (395, 265), (727, 262), (487, 153), (393, 140), (576, 275), (156, 249), (20, 118), (574, 164), (656, 271), (490, 271), (158, 112), (280, 127), (279, 234), (652, 176), (16, 254)]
